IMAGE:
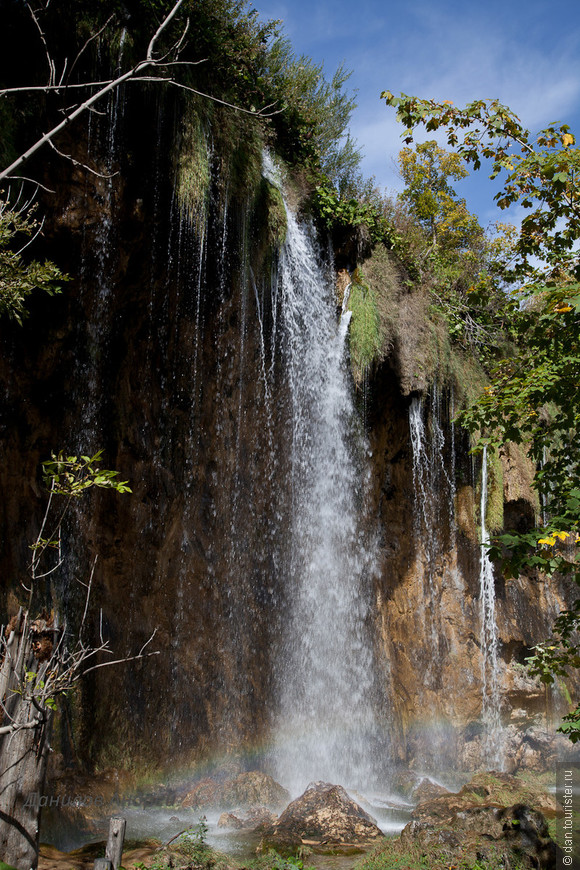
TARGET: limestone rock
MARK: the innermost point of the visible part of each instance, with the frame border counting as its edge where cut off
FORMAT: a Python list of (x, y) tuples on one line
[(427, 790), (254, 818), (323, 814), (249, 789), (204, 794), (484, 791), (488, 833)]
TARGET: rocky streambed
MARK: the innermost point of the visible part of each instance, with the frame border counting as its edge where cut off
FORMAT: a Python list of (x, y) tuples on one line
[(494, 820)]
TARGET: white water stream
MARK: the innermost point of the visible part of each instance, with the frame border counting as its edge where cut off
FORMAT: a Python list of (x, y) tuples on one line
[(490, 712), (326, 726)]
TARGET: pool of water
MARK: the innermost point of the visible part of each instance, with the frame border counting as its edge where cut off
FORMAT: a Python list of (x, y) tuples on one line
[(164, 823)]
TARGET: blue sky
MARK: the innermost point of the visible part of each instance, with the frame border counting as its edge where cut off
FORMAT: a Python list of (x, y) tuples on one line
[(527, 54)]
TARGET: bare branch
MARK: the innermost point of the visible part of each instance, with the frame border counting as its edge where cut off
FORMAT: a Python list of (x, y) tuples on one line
[(60, 81), (121, 661), (176, 47), (31, 239), (35, 557), (10, 729), (91, 38), (69, 87), (72, 117), (160, 30), (260, 113), (80, 163), (133, 73), (88, 595), (147, 642), (51, 88), (31, 180), (51, 66), (103, 88)]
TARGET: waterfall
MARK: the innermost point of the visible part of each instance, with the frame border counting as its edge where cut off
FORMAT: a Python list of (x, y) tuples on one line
[(490, 713), (421, 470), (433, 483), (326, 725)]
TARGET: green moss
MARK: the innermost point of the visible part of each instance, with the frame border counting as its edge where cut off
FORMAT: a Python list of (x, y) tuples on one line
[(227, 140), (382, 277), (494, 508), (365, 327), (193, 167), (477, 853), (276, 222), (409, 320)]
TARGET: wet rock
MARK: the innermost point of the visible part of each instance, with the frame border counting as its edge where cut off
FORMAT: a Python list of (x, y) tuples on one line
[(427, 790), (405, 781), (203, 794), (485, 790), (324, 814), (249, 789), (501, 834), (160, 795), (251, 820)]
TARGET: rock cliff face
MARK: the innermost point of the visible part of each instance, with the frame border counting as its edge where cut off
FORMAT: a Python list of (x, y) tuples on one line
[(166, 350), (154, 353), (429, 597)]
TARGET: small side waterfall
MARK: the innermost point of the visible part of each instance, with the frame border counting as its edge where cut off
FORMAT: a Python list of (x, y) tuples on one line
[(433, 481), (490, 712), (434, 525), (326, 726)]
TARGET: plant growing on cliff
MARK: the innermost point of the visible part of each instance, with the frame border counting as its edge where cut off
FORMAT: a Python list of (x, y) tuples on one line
[(534, 395), (19, 277), (335, 211), (365, 338), (315, 112)]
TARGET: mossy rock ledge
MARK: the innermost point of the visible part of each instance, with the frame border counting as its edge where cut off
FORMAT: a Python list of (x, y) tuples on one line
[(494, 821)]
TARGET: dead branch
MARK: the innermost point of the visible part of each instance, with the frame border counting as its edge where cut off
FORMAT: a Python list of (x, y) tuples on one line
[(136, 73), (81, 164), (259, 113), (51, 65), (160, 30), (57, 674), (88, 41)]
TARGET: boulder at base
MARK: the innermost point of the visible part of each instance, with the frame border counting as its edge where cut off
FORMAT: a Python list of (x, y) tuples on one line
[(246, 790), (324, 816), (250, 820)]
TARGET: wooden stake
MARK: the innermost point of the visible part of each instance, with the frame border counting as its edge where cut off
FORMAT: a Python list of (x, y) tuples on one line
[(114, 850)]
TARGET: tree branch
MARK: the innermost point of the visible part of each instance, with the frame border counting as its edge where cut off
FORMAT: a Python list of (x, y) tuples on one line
[(160, 30)]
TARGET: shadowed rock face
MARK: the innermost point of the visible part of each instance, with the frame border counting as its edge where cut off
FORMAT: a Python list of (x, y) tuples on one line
[(323, 814), (428, 599)]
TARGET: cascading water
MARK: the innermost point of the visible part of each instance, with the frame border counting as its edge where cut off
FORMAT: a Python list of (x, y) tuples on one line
[(433, 458), (489, 641), (327, 725), (433, 483)]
